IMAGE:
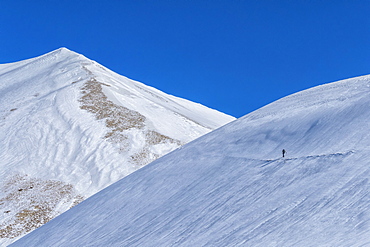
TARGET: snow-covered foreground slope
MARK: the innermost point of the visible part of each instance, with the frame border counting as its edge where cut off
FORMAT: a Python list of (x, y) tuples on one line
[(70, 127), (231, 187)]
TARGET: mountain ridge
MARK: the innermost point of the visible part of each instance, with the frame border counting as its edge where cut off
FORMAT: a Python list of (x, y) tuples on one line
[(231, 187)]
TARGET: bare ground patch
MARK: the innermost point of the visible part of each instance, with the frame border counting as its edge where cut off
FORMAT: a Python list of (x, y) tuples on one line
[(30, 202), (119, 120)]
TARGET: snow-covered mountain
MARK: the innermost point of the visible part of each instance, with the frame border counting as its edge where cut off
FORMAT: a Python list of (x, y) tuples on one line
[(231, 187), (70, 127)]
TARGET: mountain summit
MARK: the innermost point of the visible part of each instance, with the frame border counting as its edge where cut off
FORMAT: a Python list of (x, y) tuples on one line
[(232, 187), (70, 127)]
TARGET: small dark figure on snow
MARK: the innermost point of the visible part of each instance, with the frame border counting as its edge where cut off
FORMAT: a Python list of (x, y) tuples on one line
[(284, 152)]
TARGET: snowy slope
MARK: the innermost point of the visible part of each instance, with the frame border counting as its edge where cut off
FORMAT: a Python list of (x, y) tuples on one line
[(231, 187), (70, 127)]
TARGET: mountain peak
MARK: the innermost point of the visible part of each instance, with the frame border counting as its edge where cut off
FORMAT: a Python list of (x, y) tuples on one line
[(70, 127), (62, 52)]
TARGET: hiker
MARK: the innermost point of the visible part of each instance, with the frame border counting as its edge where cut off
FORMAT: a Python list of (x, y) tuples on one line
[(284, 153)]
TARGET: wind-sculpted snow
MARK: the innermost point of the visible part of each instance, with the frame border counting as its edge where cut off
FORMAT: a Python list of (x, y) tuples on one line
[(68, 121), (231, 187)]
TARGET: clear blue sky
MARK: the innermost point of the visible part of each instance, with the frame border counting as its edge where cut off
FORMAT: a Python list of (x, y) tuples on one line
[(231, 55)]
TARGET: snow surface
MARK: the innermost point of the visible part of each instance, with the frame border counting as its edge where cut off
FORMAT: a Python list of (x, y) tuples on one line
[(51, 135), (231, 187)]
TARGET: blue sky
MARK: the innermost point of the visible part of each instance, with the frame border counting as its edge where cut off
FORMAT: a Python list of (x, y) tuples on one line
[(232, 55)]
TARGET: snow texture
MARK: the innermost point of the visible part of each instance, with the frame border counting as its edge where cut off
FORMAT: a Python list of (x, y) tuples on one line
[(232, 187), (70, 127)]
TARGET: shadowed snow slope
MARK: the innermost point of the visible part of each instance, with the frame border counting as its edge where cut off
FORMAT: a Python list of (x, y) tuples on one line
[(231, 187), (70, 127)]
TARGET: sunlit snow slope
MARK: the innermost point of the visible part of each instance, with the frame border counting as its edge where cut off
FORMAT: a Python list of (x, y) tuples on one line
[(231, 187), (70, 127)]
